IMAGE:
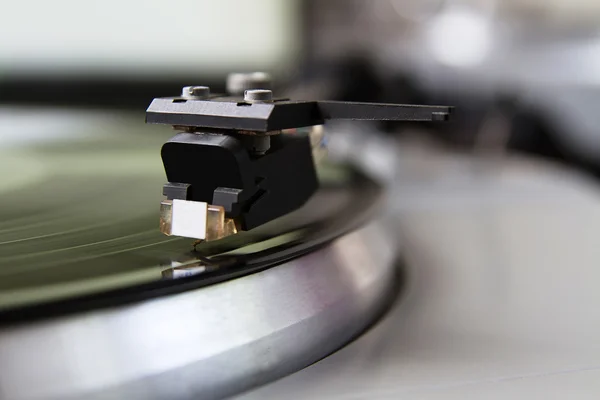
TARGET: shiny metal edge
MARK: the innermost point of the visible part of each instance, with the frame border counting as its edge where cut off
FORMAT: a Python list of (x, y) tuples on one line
[(211, 342)]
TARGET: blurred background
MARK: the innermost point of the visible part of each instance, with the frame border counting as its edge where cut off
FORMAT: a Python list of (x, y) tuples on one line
[(527, 68)]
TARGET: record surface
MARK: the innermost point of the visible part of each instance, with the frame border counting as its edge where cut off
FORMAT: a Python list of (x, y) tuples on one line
[(79, 219)]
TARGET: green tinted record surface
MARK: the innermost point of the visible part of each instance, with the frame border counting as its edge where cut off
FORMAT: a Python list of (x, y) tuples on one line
[(79, 212)]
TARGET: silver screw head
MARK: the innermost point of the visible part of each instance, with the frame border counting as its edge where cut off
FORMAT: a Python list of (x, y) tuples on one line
[(258, 95), (195, 92)]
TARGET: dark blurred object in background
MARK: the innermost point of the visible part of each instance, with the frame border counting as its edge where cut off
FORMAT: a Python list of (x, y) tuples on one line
[(535, 63)]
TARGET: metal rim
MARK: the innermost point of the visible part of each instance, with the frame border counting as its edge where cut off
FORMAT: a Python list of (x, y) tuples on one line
[(212, 342)]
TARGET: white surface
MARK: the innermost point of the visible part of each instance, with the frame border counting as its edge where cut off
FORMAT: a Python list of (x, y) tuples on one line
[(151, 36), (189, 219), (503, 287), (460, 25)]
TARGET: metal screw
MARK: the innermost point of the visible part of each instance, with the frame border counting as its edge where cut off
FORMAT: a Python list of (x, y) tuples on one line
[(258, 95), (238, 82), (195, 92)]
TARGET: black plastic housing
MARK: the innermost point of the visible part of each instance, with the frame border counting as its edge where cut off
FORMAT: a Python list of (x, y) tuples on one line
[(255, 190)]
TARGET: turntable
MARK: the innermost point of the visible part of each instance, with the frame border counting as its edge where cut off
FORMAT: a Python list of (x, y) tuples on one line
[(413, 271), (271, 262)]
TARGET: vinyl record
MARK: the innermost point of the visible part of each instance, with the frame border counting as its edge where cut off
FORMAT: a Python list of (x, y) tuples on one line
[(79, 223)]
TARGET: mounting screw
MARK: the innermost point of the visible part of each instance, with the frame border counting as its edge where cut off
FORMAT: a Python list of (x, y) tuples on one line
[(195, 92), (239, 82), (258, 95)]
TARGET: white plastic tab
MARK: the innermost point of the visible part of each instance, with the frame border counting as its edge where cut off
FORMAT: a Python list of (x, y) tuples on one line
[(189, 219)]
